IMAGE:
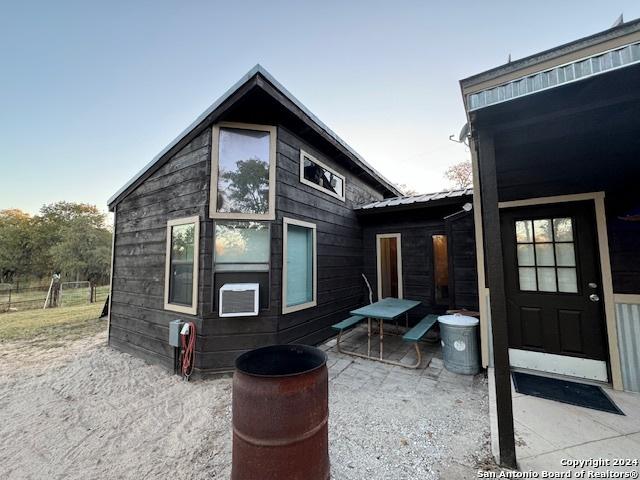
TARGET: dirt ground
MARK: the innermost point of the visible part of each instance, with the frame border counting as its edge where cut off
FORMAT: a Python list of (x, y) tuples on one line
[(85, 411)]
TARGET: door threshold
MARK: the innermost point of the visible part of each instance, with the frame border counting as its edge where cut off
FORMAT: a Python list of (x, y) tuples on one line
[(559, 376), (575, 367)]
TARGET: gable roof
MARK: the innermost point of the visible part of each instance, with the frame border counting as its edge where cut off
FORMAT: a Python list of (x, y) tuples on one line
[(258, 76), (418, 200)]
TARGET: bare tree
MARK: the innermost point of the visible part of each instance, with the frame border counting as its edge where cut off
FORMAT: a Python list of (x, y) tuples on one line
[(406, 190), (460, 175)]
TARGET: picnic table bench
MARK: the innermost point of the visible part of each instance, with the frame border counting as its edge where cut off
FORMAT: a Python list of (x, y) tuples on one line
[(417, 332)]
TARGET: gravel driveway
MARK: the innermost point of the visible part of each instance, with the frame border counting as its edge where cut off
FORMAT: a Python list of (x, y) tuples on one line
[(86, 411)]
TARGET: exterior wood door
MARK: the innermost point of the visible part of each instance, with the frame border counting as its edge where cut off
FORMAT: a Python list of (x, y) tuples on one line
[(389, 265), (553, 286)]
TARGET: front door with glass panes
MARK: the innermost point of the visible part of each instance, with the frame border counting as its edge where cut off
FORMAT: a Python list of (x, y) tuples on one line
[(553, 287)]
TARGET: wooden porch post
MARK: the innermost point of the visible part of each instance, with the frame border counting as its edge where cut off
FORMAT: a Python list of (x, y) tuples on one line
[(495, 273)]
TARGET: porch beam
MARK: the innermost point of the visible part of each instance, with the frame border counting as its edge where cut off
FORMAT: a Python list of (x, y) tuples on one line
[(562, 110), (498, 302)]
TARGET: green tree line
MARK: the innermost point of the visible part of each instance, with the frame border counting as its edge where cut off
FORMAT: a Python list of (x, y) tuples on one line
[(71, 239)]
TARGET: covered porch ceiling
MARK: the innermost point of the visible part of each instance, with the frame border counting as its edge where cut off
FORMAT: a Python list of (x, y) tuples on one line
[(574, 138)]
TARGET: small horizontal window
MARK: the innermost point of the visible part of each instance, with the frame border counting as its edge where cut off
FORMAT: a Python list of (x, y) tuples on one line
[(317, 175)]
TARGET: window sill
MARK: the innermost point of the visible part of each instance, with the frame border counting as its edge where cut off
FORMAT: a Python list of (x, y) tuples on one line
[(297, 308), (181, 309)]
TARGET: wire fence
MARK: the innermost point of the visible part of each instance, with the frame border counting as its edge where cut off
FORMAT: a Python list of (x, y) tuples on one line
[(14, 298)]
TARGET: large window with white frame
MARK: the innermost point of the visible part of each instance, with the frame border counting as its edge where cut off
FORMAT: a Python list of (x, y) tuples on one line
[(299, 269), (321, 177), (243, 161), (181, 270)]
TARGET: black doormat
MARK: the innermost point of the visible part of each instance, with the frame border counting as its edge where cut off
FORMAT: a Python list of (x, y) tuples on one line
[(579, 394)]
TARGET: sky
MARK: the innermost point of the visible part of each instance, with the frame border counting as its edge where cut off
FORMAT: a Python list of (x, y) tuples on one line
[(91, 91)]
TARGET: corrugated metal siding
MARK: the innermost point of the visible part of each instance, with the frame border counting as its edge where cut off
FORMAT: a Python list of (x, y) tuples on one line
[(555, 77), (628, 323)]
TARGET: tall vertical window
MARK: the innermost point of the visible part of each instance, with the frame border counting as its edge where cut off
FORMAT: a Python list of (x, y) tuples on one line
[(181, 272), (299, 265), (389, 265), (243, 171), (440, 269)]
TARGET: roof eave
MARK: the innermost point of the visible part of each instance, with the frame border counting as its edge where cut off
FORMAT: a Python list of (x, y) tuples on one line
[(440, 202), (204, 117)]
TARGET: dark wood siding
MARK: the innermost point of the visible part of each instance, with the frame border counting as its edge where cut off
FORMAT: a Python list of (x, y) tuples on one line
[(139, 323), (463, 271), (593, 152), (416, 228), (624, 246), (180, 188), (339, 239)]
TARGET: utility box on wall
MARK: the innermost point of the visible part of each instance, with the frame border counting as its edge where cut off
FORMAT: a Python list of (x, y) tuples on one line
[(174, 332)]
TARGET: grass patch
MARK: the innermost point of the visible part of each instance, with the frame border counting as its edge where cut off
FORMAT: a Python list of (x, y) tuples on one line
[(53, 326)]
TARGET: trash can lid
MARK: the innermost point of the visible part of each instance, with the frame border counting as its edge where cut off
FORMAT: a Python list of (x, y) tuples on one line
[(458, 320)]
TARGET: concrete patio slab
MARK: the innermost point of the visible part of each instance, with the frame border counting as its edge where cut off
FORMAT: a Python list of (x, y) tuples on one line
[(549, 462), (530, 444), (629, 403), (610, 448), (635, 437), (414, 423), (548, 432), (560, 424)]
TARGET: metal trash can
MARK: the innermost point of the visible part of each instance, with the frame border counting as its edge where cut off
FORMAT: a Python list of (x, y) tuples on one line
[(280, 414), (459, 334)]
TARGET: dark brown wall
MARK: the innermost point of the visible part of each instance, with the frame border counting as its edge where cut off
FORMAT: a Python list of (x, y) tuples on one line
[(416, 228), (139, 323), (578, 162), (624, 245), (463, 268), (339, 262), (339, 237)]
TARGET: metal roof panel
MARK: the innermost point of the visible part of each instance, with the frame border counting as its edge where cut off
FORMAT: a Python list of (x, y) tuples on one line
[(416, 199)]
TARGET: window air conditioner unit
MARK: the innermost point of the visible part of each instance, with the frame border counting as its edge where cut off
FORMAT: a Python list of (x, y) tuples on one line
[(239, 299)]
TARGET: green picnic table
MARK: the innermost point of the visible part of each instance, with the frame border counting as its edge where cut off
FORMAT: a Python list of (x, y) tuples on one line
[(387, 309)]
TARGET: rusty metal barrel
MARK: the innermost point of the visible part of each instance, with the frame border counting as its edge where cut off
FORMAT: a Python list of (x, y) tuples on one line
[(280, 414)]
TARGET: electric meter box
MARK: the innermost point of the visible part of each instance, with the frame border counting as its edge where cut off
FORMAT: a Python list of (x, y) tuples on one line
[(174, 332)]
